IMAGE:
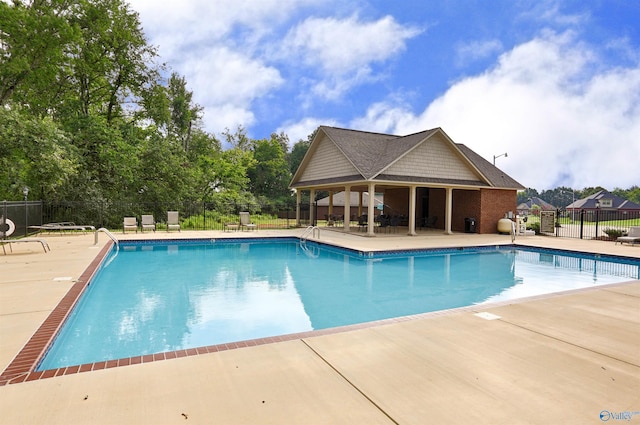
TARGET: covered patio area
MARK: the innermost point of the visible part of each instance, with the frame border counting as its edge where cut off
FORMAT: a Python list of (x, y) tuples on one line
[(425, 179)]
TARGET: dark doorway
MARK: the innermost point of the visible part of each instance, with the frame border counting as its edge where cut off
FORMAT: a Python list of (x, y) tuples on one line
[(423, 195)]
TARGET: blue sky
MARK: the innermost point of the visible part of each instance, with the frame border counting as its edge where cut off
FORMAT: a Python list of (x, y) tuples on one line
[(555, 84)]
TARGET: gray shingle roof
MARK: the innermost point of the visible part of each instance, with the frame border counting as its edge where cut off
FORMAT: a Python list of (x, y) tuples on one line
[(590, 202), (371, 153), (496, 176)]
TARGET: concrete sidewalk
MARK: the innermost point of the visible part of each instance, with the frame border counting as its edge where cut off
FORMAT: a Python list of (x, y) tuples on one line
[(563, 358)]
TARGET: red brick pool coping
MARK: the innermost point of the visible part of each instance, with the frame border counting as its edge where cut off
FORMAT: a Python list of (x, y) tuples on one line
[(22, 368)]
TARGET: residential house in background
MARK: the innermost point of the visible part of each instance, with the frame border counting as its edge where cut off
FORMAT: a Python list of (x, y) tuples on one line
[(604, 204), (525, 208)]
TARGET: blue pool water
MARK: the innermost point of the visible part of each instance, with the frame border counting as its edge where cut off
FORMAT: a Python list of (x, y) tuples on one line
[(153, 296)]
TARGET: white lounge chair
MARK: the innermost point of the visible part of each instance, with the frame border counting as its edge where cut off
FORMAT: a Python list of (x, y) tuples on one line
[(633, 237), (245, 221), (130, 223), (62, 226), (42, 242), (173, 221), (148, 223)]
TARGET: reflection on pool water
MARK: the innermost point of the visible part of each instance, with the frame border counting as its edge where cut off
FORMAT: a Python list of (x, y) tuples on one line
[(154, 296)]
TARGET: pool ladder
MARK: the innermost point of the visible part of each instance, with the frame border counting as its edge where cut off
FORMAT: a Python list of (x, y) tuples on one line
[(309, 231), (108, 233), (513, 231)]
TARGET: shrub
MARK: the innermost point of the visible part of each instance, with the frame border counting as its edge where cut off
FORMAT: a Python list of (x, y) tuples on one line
[(613, 233), (535, 227)]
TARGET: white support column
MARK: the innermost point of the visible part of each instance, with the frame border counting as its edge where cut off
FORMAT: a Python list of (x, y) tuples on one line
[(448, 211), (312, 200), (330, 202), (330, 215), (298, 199), (371, 210), (412, 211), (347, 208)]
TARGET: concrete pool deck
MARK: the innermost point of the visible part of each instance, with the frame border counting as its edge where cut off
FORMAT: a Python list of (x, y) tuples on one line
[(562, 358)]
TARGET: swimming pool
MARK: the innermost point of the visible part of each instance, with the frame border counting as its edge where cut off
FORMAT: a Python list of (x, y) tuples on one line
[(158, 296)]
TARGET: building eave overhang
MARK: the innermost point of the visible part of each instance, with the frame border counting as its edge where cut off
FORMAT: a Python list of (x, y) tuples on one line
[(396, 180)]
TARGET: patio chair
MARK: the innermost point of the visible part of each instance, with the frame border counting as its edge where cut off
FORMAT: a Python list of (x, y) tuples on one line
[(148, 223), (130, 223), (394, 222), (173, 221), (633, 237), (384, 221), (245, 221), (363, 222), (231, 226), (430, 221)]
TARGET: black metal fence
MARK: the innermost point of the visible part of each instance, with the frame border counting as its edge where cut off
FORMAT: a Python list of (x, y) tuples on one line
[(19, 218), (16, 217), (594, 224), (193, 215)]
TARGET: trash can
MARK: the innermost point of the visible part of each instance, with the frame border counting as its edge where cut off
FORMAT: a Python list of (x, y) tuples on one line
[(469, 225)]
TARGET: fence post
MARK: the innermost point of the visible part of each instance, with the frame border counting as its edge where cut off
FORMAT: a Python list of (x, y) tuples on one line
[(581, 222)]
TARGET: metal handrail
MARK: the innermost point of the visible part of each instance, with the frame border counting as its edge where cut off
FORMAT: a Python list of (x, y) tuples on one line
[(309, 231), (108, 233)]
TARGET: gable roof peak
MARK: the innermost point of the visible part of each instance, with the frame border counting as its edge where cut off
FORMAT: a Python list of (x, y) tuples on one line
[(372, 154)]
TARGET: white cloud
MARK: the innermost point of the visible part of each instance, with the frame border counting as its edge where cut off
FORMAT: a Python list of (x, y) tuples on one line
[(213, 44), (180, 22), (563, 117), (228, 82), (302, 129), (549, 13), (476, 50), (342, 51)]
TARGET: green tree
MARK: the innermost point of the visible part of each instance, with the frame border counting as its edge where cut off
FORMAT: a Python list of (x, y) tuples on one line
[(298, 152), (588, 191), (36, 40), (270, 174), (112, 63), (184, 114), (239, 139), (163, 175), (632, 194), (35, 153), (227, 182), (524, 195)]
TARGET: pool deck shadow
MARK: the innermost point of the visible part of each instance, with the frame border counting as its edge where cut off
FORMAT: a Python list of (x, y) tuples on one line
[(561, 358)]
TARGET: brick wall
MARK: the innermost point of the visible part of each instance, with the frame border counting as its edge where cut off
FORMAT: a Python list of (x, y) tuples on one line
[(487, 206), (397, 201), (495, 204), (466, 204)]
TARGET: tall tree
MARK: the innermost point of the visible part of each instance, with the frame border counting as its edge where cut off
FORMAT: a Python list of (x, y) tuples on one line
[(35, 153), (270, 175), (36, 39), (184, 113), (526, 194), (299, 150), (239, 139), (112, 64)]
